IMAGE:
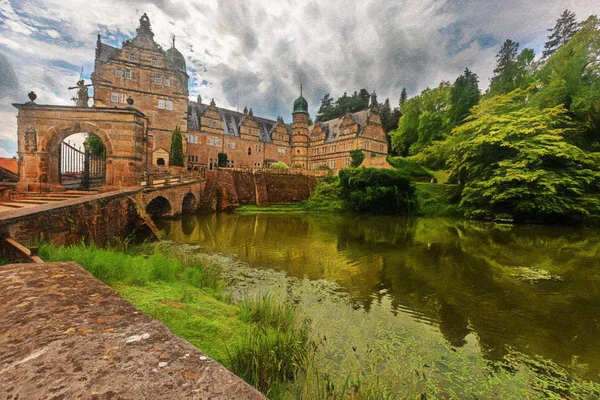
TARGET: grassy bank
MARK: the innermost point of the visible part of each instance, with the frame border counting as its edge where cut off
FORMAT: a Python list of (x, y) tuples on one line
[(438, 200), (269, 343), (264, 341)]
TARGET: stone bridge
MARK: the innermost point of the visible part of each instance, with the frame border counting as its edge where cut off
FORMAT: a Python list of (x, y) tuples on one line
[(101, 217), (172, 199)]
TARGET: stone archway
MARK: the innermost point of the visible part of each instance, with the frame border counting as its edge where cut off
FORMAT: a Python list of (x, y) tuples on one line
[(189, 204), (159, 207), (41, 130)]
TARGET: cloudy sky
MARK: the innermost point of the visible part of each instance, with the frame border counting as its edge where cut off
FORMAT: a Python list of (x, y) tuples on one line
[(255, 53)]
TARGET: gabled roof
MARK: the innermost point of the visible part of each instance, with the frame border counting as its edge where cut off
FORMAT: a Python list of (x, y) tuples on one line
[(105, 52), (332, 126), (9, 169), (231, 121), (10, 164)]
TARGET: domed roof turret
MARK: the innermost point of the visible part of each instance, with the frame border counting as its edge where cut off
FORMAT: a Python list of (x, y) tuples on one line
[(176, 58), (300, 105)]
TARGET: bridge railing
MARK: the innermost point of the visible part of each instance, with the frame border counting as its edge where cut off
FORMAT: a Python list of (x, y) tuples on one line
[(165, 178), (274, 171)]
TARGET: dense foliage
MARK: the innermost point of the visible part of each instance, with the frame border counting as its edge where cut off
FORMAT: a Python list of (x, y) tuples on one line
[(95, 146), (513, 162), (377, 190), (357, 157), (279, 165), (176, 154), (410, 168), (527, 150), (425, 118)]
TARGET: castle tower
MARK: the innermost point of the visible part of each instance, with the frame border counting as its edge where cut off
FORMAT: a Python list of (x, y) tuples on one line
[(300, 133), (154, 78)]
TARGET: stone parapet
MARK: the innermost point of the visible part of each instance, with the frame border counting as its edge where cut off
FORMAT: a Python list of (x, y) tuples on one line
[(64, 334)]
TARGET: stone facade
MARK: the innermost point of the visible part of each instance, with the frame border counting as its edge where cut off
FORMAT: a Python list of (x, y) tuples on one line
[(155, 79), (141, 95), (45, 127)]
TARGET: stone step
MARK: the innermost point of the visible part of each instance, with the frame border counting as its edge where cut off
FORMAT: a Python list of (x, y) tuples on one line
[(33, 201), (47, 199), (15, 205)]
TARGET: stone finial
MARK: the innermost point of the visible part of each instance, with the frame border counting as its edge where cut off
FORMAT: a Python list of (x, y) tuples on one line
[(199, 99), (98, 46), (32, 96), (250, 113), (245, 110), (144, 28), (212, 103)]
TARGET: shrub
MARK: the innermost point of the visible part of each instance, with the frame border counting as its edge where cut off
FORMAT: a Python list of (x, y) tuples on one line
[(377, 190), (279, 165), (357, 157), (410, 167)]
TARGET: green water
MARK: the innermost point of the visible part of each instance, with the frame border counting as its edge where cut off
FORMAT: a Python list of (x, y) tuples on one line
[(482, 288)]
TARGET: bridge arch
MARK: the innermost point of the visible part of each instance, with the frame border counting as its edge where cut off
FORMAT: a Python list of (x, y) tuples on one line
[(158, 207), (189, 204)]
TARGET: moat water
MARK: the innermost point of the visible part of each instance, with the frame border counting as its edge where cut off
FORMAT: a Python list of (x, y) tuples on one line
[(482, 289)]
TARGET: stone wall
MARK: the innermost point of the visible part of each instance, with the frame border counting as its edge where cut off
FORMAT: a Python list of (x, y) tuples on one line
[(242, 187), (102, 218)]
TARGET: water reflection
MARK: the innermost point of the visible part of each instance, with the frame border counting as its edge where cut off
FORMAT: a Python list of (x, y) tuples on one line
[(463, 277)]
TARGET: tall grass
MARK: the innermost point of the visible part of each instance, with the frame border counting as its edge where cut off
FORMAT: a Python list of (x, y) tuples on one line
[(276, 350), (116, 267)]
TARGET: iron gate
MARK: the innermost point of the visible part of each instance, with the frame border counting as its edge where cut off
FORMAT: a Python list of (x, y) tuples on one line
[(79, 169)]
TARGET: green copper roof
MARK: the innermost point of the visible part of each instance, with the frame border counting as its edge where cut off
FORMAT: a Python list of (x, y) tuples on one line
[(300, 105)]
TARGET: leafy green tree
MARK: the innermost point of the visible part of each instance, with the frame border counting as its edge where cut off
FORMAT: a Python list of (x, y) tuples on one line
[(513, 69), (377, 190), (512, 161), (571, 77), (330, 110), (95, 146), (176, 154), (463, 96), (326, 111), (403, 97), (357, 157), (425, 118), (563, 31)]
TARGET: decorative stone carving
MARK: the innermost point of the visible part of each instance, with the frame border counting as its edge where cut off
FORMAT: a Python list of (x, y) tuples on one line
[(30, 140)]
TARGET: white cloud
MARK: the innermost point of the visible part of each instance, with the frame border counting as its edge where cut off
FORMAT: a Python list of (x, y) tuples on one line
[(256, 53)]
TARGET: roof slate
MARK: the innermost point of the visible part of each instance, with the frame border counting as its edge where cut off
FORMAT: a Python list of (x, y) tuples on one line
[(231, 121)]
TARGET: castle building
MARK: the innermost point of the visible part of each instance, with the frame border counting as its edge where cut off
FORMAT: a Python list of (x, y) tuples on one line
[(158, 83)]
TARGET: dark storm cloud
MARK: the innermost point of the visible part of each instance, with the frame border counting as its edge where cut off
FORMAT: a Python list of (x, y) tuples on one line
[(256, 53)]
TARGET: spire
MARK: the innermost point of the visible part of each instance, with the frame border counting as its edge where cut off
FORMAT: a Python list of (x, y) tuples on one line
[(173, 41), (98, 46)]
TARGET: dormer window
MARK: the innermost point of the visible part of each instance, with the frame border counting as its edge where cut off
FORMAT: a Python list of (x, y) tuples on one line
[(131, 56), (155, 61)]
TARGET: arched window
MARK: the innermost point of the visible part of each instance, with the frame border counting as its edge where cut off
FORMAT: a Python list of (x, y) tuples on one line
[(160, 161)]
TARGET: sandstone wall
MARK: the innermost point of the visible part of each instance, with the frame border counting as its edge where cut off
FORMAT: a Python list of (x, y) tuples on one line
[(242, 187), (102, 218)]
